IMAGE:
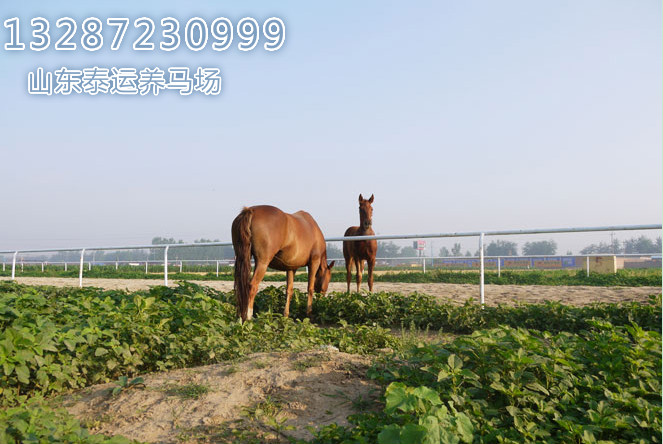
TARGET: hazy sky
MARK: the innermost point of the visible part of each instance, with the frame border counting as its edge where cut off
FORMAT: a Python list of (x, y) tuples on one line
[(458, 116)]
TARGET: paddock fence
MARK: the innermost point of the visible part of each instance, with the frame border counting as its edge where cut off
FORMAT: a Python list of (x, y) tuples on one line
[(481, 235)]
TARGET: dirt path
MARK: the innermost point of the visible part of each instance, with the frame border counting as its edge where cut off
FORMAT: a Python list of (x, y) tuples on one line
[(233, 402), (457, 293)]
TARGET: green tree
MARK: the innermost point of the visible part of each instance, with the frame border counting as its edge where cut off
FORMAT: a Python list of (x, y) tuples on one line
[(388, 249), (408, 251), (158, 240), (455, 250), (444, 252), (643, 245), (603, 248), (540, 248), (502, 248)]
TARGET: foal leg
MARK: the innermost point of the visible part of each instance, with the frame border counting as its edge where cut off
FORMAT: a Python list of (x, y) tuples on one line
[(371, 265), (312, 270), (258, 274), (360, 270), (288, 291)]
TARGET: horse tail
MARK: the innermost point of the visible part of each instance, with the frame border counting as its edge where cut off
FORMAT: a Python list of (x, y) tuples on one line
[(241, 234)]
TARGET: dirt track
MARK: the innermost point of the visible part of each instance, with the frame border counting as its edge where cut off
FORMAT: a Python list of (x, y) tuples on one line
[(457, 293)]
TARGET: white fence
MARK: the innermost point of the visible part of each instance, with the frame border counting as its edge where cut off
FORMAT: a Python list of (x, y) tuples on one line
[(480, 234), (578, 261)]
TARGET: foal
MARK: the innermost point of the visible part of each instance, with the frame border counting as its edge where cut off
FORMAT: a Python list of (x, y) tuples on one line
[(356, 252)]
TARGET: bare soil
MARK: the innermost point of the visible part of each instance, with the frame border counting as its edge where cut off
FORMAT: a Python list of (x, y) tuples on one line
[(267, 396), (455, 293)]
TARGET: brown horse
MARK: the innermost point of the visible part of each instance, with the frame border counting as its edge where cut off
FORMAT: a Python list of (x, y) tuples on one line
[(356, 252), (280, 241)]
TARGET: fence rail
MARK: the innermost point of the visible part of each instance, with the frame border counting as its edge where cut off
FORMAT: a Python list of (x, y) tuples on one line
[(480, 234)]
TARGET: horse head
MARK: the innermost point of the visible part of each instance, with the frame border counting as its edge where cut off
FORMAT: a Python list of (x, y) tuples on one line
[(322, 277), (365, 212)]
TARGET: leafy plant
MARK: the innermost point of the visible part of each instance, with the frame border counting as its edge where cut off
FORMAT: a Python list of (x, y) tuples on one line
[(123, 383), (511, 385)]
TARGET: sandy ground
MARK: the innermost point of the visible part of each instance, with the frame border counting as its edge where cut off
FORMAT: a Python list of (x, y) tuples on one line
[(456, 293), (255, 397)]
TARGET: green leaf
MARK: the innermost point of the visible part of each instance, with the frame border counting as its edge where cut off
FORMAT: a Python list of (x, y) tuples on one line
[(537, 387), (454, 362), (465, 427), (100, 351), (413, 434), (432, 426), (23, 374), (8, 367), (588, 437), (137, 381), (447, 437), (390, 435), (398, 398), (427, 394)]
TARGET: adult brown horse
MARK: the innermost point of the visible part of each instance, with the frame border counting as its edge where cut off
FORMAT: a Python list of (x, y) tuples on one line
[(356, 252), (280, 241)]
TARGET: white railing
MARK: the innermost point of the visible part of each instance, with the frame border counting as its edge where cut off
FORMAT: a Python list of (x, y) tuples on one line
[(480, 234), (447, 262)]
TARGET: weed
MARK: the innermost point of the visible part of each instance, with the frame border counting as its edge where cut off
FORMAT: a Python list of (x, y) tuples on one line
[(188, 391), (123, 383)]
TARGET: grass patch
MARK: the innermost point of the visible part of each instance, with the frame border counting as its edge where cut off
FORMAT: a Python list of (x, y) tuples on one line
[(187, 391)]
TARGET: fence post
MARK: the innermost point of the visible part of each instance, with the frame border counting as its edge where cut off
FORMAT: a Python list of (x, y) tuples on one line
[(180, 266), (116, 264), (21, 265), (89, 266), (65, 265), (499, 267), (42, 267), (217, 268), (424, 260), (146, 262), (14, 265), (165, 266), (587, 266), (481, 277), (3, 265), (80, 269)]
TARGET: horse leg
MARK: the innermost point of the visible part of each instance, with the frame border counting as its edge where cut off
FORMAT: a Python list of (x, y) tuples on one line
[(360, 270), (348, 272), (371, 265), (258, 274), (288, 291), (312, 270)]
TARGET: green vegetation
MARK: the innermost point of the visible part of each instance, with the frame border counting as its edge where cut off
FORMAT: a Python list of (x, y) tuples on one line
[(529, 373), (623, 278), (55, 339), (422, 311), (187, 391), (508, 385), (123, 383)]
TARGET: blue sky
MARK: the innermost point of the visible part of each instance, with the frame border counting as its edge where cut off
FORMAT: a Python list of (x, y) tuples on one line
[(458, 116)]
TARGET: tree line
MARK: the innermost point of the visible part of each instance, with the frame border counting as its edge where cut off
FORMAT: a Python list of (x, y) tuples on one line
[(635, 245)]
